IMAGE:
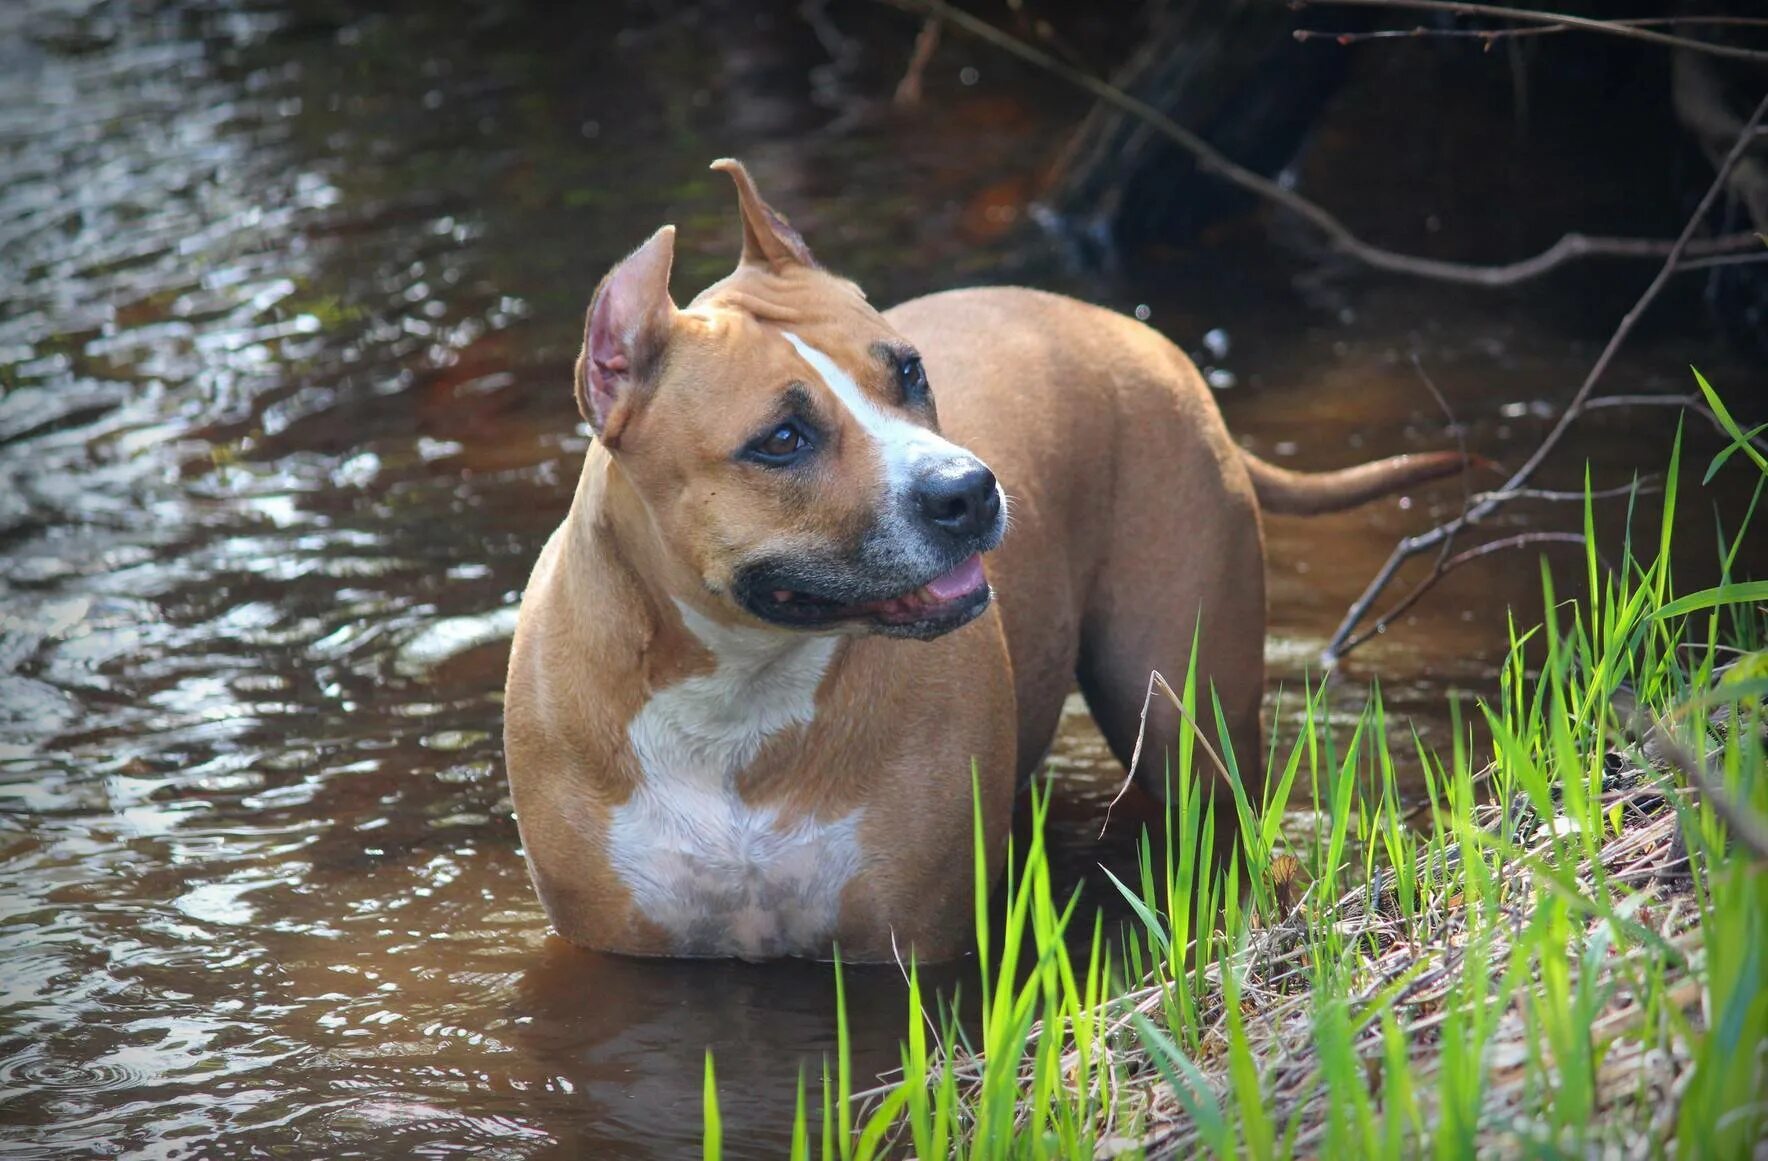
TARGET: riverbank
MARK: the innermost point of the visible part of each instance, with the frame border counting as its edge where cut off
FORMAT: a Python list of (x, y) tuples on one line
[(1558, 952)]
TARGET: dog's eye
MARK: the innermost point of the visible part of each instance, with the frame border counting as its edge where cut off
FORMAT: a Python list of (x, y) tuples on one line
[(784, 444), (911, 376)]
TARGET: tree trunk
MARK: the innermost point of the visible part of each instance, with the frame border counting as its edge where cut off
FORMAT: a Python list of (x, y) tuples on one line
[(1234, 74)]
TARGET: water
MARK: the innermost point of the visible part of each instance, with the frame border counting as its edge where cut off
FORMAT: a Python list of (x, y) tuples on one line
[(287, 307)]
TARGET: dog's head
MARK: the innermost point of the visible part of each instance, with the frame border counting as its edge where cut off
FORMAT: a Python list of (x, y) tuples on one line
[(785, 441)]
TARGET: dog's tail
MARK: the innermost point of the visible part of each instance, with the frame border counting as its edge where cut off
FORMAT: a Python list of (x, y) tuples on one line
[(1309, 493)]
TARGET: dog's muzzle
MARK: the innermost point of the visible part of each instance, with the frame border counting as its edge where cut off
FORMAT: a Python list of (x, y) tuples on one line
[(918, 574)]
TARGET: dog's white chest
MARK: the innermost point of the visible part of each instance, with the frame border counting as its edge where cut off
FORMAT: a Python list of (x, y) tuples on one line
[(720, 876)]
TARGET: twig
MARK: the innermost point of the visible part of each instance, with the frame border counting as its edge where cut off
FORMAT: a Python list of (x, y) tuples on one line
[(1692, 403), (907, 979), (1636, 487), (1156, 679), (1445, 567), (1490, 35), (1744, 259), (1602, 401), (1570, 247), (908, 90), (1533, 16), (1460, 445), (1748, 829), (1423, 542)]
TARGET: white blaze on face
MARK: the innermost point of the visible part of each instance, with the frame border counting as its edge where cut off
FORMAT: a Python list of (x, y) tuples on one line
[(721, 876), (902, 445)]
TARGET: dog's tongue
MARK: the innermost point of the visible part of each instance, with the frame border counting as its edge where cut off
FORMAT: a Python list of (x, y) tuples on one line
[(960, 581)]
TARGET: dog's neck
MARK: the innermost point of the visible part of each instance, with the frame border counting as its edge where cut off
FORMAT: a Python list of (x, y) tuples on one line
[(760, 667)]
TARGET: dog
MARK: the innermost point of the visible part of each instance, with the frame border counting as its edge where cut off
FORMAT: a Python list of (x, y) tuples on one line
[(828, 577)]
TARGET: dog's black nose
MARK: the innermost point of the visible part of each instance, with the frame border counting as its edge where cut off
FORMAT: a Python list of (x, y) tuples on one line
[(960, 497)]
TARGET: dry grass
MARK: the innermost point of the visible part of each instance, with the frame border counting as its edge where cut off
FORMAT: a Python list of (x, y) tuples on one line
[(1411, 971)]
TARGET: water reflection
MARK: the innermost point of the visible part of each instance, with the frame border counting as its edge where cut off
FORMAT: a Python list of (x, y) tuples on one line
[(288, 305)]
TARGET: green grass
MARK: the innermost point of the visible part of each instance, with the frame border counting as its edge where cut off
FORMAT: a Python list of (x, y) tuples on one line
[(1559, 951)]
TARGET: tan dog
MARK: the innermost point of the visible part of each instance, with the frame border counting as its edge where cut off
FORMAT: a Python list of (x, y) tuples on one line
[(758, 661)]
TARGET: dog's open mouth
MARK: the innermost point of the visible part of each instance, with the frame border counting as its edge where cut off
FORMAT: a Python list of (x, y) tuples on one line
[(940, 605)]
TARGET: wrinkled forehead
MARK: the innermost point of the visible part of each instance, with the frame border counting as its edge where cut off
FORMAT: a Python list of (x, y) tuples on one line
[(775, 330), (768, 355)]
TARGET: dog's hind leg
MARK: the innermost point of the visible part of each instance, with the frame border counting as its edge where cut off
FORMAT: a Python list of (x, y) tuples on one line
[(1161, 588)]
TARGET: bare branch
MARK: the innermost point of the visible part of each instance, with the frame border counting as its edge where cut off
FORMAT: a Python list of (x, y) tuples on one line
[(1424, 542), (1749, 829), (1571, 247), (1602, 401), (1629, 29), (1637, 487), (1489, 35), (1692, 403), (1745, 259), (1445, 567), (908, 90), (1460, 445), (1157, 680)]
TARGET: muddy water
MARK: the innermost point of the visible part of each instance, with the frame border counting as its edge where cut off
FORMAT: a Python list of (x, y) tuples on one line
[(287, 304)]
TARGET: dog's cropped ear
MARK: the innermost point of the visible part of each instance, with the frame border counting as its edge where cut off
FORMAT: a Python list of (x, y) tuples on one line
[(624, 334), (768, 239)]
